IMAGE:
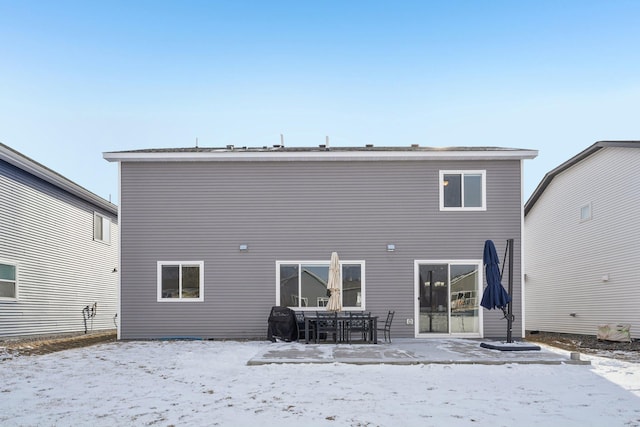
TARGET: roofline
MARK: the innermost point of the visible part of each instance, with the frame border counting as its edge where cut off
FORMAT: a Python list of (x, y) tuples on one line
[(546, 180), (343, 154), (38, 170)]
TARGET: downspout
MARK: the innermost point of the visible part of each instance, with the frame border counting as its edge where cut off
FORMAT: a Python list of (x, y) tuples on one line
[(522, 253), (119, 278)]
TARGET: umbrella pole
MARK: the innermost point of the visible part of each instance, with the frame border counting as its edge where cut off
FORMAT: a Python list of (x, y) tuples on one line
[(510, 305), (433, 306)]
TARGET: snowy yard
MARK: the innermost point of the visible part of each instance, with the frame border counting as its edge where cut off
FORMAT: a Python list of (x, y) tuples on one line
[(208, 383)]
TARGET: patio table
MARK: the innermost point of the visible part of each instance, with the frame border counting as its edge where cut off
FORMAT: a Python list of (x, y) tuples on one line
[(343, 320)]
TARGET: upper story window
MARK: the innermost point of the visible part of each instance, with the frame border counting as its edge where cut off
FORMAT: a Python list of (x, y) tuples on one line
[(463, 190), (8, 281), (304, 284), (180, 280), (101, 228), (585, 212)]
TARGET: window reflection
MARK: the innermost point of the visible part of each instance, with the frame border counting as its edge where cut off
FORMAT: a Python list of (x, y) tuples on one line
[(289, 296), (448, 298), (433, 298), (7, 281), (352, 285), (190, 281), (452, 191), (472, 191), (462, 189), (305, 285), (180, 281), (314, 285), (170, 281), (464, 302)]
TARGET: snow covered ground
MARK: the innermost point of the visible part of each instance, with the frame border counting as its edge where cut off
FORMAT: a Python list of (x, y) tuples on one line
[(208, 383)]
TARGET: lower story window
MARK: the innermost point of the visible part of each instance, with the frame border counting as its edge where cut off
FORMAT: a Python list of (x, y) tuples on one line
[(304, 284), (180, 280), (8, 281)]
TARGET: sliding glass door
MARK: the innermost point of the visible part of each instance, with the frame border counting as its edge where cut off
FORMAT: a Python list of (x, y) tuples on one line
[(448, 298)]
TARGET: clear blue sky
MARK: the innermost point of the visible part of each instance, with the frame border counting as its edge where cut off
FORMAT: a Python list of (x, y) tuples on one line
[(78, 78)]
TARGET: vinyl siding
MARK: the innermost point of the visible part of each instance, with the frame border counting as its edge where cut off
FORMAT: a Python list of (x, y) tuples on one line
[(567, 258), (299, 211), (49, 234)]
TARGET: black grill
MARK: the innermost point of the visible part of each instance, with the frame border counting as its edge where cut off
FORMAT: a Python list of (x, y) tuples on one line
[(282, 324)]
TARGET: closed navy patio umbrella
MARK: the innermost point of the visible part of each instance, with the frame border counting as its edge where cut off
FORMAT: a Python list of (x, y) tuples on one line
[(495, 295)]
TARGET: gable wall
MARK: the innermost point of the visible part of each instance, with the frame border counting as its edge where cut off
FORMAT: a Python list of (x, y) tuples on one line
[(49, 233), (295, 211), (567, 258)]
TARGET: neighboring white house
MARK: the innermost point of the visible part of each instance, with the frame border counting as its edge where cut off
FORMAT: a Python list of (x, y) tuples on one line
[(582, 242), (58, 252)]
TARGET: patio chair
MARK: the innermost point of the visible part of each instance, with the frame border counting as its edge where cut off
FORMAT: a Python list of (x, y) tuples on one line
[(300, 321), (386, 329), (326, 325), (358, 323)]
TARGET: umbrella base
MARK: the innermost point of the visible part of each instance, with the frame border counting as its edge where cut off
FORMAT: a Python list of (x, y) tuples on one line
[(510, 346)]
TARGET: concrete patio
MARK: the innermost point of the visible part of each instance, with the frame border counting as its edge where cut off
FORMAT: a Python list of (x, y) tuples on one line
[(409, 351)]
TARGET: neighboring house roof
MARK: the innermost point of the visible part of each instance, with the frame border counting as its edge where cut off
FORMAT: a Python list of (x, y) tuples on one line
[(569, 163), (321, 153), (38, 170)]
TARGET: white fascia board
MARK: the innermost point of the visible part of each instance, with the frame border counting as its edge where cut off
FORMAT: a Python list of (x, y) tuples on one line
[(267, 156)]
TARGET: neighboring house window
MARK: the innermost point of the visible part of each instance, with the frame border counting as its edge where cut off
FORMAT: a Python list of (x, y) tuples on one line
[(463, 190), (585, 212), (180, 280), (8, 281), (101, 228), (304, 284)]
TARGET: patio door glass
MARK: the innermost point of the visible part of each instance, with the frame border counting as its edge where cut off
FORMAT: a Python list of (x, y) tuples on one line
[(448, 298), (434, 306)]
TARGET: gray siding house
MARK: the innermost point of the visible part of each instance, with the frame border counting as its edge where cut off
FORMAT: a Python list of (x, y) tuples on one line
[(212, 238), (583, 242), (58, 252)]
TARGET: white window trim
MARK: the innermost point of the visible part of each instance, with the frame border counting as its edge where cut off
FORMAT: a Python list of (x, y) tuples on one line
[(363, 298), (105, 220), (180, 263), (482, 173), (17, 287)]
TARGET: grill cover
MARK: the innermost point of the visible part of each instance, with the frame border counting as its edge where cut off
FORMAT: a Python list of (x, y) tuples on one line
[(282, 324)]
